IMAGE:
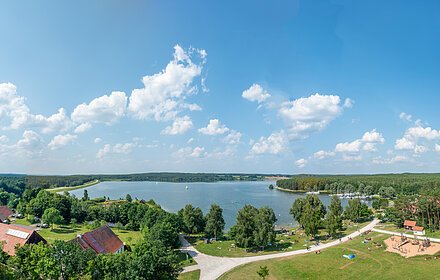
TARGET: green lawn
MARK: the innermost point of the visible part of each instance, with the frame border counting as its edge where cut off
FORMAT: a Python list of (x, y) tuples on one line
[(393, 227), (368, 264), (185, 259), (284, 243), (193, 275)]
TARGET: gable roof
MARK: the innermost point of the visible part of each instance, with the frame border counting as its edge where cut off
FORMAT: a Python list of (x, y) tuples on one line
[(409, 223), (418, 228), (101, 240), (11, 235), (5, 212)]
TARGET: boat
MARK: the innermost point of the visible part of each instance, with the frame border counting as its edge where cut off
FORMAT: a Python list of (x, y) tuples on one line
[(186, 187)]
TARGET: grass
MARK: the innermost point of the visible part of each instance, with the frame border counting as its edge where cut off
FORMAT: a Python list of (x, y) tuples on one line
[(69, 232), (193, 275), (185, 259), (284, 243), (85, 185), (329, 264)]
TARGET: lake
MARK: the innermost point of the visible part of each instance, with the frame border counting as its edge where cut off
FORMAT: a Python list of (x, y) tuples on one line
[(231, 196)]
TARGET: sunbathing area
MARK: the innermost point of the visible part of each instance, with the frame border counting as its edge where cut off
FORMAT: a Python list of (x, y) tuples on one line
[(408, 247)]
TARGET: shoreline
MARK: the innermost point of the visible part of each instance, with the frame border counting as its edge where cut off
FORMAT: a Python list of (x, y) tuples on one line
[(85, 185), (299, 191)]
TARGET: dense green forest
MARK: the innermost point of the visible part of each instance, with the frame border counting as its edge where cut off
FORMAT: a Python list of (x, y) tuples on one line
[(407, 183)]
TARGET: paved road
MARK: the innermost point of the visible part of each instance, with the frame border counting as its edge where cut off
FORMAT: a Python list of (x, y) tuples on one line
[(407, 235), (212, 267)]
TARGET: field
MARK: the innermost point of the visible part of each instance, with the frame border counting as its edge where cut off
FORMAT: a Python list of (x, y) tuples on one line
[(330, 264), (193, 275), (284, 243)]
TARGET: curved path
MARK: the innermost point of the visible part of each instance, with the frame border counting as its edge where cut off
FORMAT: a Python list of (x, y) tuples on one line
[(405, 234), (213, 267)]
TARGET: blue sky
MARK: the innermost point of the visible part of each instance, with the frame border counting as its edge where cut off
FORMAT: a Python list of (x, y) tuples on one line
[(255, 86)]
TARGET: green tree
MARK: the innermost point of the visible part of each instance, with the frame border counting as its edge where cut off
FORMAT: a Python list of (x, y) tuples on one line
[(52, 216), (128, 198), (165, 232), (297, 209), (245, 226), (215, 224), (333, 221), (353, 210), (86, 195), (264, 227), (193, 219), (263, 272)]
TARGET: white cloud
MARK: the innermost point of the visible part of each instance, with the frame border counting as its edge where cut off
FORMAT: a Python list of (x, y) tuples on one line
[(351, 157), (120, 148), (406, 117), (12, 107), (369, 147), (437, 148), (373, 137), (306, 115), (412, 135), (31, 143), (179, 126), (274, 144), (58, 122), (163, 93), (349, 147), (348, 103), (301, 163), (83, 127), (4, 139), (420, 149), (323, 154), (188, 152), (106, 109), (423, 132), (255, 93), (191, 107), (214, 128), (61, 141), (393, 160), (404, 144), (232, 138), (97, 140), (190, 140)]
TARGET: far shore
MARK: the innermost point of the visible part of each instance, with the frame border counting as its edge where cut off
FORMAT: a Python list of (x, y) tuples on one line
[(299, 191), (85, 185)]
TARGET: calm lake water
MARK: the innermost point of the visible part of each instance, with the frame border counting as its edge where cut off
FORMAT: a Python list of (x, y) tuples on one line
[(231, 196)]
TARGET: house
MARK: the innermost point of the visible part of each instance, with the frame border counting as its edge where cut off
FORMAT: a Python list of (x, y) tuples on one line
[(418, 230), (12, 235), (409, 225), (101, 240), (5, 213)]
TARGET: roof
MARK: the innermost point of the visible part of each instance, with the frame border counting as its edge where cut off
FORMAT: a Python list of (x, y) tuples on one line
[(417, 228), (11, 235), (409, 223), (5, 212), (101, 240)]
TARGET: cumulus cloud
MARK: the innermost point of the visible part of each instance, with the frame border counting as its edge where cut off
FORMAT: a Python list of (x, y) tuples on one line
[(164, 93), (392, 160), (179, 126), (106, 109), (188, 152), (120, 148), (413, 135), (214, 128), (301, 162), (323, 154), (97, 140), (367, 143), (61, 141), (31, 143), (58, 122), (306, 115), (255, 93), (274, 144), (83, 127), (232, 138)]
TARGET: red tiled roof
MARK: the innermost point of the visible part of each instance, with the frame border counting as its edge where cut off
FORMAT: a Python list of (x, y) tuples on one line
[(5, 213), (409, 223), (101, 240), (417, 228), (11, 235)]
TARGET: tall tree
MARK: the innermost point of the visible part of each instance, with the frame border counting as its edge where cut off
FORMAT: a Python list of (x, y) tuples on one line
[(333, 221), (52, 216), (245, 226), (264, 227), (86, 195), (215, 224)]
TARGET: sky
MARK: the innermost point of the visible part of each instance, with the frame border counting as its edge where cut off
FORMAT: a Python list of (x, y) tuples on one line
[(328, 87)]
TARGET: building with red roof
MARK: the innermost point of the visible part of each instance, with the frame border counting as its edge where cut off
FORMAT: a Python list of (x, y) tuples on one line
[(409, 225), (101, 240), (12, 235), (5, 213)]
